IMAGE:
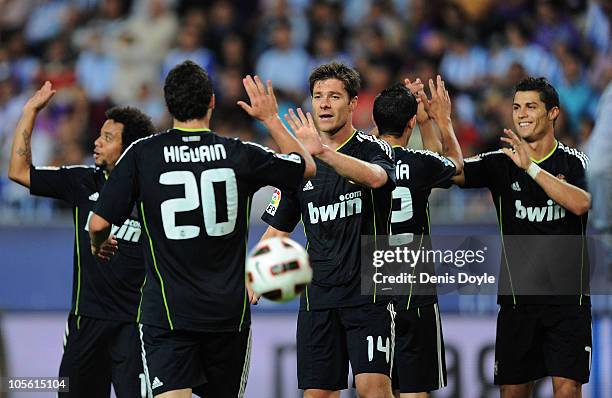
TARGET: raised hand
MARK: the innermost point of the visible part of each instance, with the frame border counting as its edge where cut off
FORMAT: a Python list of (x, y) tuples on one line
[(518, 149), (440, 104), (416, 88), (304, 128), (40, 99), (263, 101)]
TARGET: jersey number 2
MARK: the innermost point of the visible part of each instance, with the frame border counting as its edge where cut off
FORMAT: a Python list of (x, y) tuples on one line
[(404, 214), (222, 177)]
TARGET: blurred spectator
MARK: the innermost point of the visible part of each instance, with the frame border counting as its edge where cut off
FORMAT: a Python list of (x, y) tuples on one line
[(24, 67), (551, 26), (535, 60), (285, 64), (465, 65), (232, 56), (597, 25), (376, 77), (47, 20), (189, 47), (599, 177), (95, 69), (326, 50), (575, 95)]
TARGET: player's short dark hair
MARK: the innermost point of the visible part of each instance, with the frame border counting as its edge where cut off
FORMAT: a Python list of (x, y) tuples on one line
[(393, 108), (548, 94), (187, 91), (336, 70), (136, 124)]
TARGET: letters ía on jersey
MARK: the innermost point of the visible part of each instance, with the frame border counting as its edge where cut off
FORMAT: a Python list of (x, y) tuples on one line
[(186, 154), (349, 204)]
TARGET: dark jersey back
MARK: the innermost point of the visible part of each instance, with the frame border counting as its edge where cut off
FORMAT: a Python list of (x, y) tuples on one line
[(336, 212), (554, 257), (100, 289), (193, 189), (417, 172)]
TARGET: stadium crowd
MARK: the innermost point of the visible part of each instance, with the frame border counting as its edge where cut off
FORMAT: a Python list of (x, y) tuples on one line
[(100, 53)]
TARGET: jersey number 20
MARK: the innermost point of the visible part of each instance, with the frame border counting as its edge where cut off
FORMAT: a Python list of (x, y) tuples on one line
[(191, 201)]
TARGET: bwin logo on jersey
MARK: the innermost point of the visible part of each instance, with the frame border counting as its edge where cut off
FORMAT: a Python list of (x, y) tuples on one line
[(130, 230), (538, 214), (349, 204)]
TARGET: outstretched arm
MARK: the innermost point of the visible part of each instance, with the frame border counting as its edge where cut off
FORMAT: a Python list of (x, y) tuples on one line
[(21, 151), (439, 109), (264, 108), (574, 199), (429, 134)]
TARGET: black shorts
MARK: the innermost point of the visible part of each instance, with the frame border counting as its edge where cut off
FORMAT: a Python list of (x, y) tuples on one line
[(98, 352), (534, 341), (419, 364), (328, 339), (211, 364)]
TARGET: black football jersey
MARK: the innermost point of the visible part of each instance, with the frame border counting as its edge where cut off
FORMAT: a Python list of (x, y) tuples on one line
[(554, 258), (416, 172), (193, 189), (100, 289), (336, 213)]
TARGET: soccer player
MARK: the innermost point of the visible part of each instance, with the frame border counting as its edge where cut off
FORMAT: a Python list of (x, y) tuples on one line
[(193, 189), (349, 197), (101, 339), (419, 365), (538, 187)]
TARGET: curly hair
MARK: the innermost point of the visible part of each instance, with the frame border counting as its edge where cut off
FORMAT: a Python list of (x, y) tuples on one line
[(187, 91), (136, 124), (393, 109), (336, 70)]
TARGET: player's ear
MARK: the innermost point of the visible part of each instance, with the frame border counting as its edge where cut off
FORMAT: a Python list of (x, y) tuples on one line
[(211, 104), (412, 122), (353, 103), (553, 114)]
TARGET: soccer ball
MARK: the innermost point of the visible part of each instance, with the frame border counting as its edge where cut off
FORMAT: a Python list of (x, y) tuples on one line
[(278, 269)]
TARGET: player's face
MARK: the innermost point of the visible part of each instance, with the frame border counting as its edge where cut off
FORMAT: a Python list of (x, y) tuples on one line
[(531, 119), (108, 146), (331, 105)]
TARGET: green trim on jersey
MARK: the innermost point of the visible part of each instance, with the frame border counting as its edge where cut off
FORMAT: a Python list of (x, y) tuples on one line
[(140, 303), (246, 248), (78, 322), (428, 220), (375, 246), (581, 256), (161, 280), (397, 146), (191, 130), (413, 272), (347, 140), (501, 233), (547, 156), (78, 253), (307, 244)]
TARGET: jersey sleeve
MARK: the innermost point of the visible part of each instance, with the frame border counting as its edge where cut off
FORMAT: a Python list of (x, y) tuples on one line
[(439, 170), (479, 170), (577, 171), (120, 191), (266, 167), (57, 182), (283, 212), (379, 152)]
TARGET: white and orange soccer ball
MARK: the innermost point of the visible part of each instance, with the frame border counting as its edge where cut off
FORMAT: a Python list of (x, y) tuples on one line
[(278, 269)]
